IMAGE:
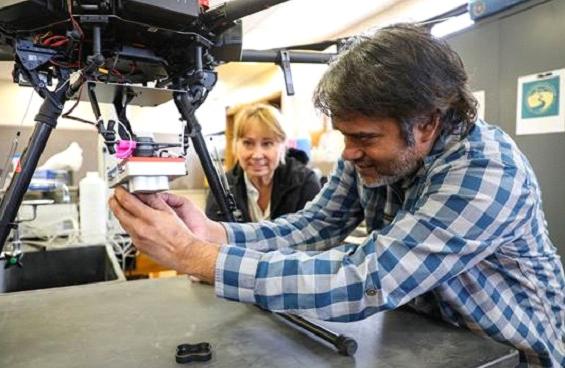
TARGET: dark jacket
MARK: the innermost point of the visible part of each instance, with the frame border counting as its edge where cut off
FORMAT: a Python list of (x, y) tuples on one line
[(293, 185)]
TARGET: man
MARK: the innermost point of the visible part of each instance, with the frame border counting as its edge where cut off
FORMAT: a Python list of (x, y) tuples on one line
[(453, 207)]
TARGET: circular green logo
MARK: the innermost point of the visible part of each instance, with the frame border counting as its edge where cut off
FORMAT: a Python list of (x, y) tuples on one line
[(541, 98)]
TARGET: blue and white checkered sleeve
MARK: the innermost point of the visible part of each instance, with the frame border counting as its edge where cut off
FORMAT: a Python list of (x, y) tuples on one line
[(463, 215), (324, 222)]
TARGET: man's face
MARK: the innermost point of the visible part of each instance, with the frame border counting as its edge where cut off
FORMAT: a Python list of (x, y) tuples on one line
[(378, 150)]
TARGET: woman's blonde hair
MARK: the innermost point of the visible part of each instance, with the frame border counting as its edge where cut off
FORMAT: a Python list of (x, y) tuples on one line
[(267, 116)]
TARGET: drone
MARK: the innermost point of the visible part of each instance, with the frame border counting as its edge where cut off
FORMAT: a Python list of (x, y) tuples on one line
[(128, 52), (132, 52)]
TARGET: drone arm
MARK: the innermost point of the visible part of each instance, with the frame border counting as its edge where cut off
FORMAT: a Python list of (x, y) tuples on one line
[(274, 56), (284, 58)]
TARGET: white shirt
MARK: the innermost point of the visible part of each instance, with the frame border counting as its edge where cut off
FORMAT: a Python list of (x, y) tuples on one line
[(255, 212)]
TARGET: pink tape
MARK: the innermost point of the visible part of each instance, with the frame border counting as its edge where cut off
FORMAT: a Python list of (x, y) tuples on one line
[(124, 149)]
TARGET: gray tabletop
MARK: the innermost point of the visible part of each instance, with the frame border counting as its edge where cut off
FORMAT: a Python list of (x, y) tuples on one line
[(140, 323)]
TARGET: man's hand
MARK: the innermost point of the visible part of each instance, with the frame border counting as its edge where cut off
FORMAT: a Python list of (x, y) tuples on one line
[(157, 230), (194, 218)]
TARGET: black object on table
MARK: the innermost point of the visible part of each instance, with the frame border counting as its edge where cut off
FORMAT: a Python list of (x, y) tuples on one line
[(345, 345), (187, 353)]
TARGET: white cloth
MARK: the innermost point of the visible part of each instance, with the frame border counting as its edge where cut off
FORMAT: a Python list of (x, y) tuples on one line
[(69, 159), (255, 212)]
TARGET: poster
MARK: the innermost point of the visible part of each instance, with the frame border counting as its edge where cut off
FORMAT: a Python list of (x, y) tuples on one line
[(540, 107)]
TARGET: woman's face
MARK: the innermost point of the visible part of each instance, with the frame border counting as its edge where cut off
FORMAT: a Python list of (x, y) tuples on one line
[(258, 151)]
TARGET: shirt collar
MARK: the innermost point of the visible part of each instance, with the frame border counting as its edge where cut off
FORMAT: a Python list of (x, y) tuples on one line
[(440, 145), (255, 212), (252, 192)]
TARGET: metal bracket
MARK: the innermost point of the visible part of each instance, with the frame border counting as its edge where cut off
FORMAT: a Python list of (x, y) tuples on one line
[(94, 19), (284, 63)]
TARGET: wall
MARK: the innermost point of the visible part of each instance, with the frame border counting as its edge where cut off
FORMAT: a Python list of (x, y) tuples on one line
[(298, 110), (14, 101), (498, 51), (58, 141)]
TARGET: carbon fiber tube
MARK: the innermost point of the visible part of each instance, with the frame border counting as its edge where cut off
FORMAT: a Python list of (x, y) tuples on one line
[(345, 345), (18, 186), (273, 56), (183, 104)]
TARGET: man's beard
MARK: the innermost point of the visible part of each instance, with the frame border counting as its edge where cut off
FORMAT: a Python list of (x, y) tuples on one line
[(402, 166)]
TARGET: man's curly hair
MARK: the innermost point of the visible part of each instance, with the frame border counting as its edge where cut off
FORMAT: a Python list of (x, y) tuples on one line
[(401, 72)]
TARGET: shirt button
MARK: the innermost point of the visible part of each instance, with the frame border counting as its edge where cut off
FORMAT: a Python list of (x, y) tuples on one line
[(371, 292)]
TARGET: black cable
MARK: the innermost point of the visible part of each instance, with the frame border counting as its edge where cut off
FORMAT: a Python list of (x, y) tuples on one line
[(67, 115), (81, 120)]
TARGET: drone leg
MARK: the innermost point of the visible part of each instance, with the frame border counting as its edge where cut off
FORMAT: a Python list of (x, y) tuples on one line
[(46, 121), (222, 195)]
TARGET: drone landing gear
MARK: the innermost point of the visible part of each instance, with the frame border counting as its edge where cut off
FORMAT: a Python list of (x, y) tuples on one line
[(223, 196), (46, 121)]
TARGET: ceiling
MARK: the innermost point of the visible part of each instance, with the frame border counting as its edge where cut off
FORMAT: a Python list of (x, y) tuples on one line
[(299, 22)]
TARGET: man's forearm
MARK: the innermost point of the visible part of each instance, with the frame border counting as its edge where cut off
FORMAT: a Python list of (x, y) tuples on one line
[(199, 260), (216, 233)]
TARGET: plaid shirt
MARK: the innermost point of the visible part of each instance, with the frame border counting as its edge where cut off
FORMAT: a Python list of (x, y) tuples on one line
[(465, 236)]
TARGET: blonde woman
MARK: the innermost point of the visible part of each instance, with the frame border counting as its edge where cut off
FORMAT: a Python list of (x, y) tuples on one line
[(264, 182)]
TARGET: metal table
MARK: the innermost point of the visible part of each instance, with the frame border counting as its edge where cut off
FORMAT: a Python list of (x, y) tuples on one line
[(140, 323)]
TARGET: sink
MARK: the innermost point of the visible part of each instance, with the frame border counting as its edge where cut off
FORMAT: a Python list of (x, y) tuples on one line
[(61, 267)]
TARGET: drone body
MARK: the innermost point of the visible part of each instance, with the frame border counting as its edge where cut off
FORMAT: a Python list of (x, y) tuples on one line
[(131, 41)]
